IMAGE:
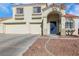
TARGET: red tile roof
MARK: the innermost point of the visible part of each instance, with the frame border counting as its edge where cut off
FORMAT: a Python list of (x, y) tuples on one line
[(70, 16)]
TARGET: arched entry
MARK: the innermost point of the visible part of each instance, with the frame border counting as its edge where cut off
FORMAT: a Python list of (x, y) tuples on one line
[(54, 18)]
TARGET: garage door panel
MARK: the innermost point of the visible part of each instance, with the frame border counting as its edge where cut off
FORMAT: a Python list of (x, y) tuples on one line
[(16, 29), (23, 29), (35, 28)]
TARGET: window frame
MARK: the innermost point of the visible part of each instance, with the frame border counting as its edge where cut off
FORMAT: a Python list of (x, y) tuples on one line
[(69, 23), (36, 8), (19, 10)]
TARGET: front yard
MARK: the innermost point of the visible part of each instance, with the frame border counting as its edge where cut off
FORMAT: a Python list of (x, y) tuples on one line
[(55, 47)]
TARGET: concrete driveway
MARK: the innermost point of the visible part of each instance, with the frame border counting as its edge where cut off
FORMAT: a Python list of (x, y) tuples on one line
[(14, 44)]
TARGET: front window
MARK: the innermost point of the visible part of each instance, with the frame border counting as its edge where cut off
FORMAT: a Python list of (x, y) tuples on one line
[(36, 9), (19, 11), (69, 24)]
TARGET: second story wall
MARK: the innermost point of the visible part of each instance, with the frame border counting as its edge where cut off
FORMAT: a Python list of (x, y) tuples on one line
[(32, 12), (17, 15)]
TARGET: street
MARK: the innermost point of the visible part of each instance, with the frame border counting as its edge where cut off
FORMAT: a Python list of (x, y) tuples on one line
[(14, 44)]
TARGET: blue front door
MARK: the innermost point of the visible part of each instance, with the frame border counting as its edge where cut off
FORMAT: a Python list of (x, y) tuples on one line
[(53, 28)]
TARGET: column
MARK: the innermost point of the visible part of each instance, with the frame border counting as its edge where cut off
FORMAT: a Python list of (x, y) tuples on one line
[(44, 26), (48, 28), (63, 26), (63, 22)]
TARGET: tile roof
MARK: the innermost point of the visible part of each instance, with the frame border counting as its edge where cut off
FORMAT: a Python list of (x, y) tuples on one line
[(70, 16)]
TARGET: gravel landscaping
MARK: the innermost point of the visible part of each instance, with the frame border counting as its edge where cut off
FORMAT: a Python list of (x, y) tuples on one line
[(57, 47)]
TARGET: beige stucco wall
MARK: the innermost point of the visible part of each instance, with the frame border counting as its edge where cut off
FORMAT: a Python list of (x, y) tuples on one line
[(28, 11), (76, 26)]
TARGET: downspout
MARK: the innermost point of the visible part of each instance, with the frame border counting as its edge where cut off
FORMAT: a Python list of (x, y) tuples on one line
[(42, 28)]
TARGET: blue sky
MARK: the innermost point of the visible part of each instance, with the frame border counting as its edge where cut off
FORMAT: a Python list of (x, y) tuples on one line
[(6, 9), (72, 8)]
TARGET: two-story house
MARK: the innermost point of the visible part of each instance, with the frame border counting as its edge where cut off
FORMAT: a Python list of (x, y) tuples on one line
[(39, 18)]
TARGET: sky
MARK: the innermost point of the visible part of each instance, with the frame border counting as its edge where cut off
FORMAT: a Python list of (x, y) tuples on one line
[(6, 9), (72, 8)]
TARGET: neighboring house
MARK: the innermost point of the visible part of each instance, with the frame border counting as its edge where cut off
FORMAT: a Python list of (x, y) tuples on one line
[(39, 18)]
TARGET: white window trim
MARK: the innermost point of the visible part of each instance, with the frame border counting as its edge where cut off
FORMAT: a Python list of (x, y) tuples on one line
[(69, 20), (19, 13), (36, 13)]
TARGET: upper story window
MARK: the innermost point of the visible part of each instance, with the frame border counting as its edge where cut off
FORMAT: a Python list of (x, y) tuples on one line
[(36, 9), (19, 11), (69, 23)]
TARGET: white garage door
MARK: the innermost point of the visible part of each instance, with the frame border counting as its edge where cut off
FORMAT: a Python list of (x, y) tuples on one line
[(16, 29), (35, 29)]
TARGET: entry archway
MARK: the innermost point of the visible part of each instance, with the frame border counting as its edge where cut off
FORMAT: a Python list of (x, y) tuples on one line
[(54, 18)]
